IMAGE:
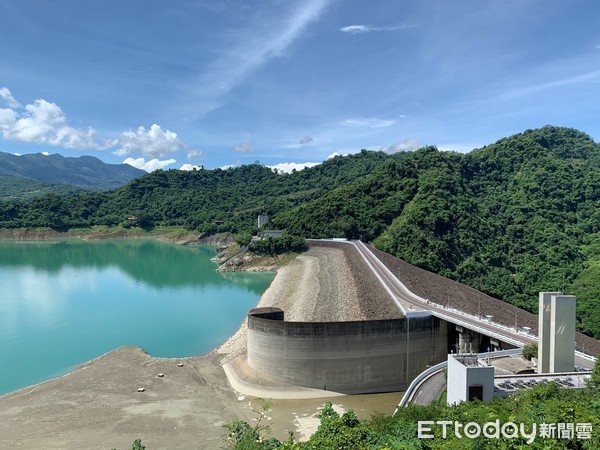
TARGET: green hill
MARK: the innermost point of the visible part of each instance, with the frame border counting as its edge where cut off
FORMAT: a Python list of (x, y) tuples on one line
[(16, 188), (510, 219), (85, 171)]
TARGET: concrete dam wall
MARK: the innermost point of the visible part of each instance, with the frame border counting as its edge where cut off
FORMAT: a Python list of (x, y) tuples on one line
[(349, 357)]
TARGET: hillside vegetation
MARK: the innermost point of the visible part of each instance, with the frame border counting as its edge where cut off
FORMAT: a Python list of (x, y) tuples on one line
[(17, 188), (509, 219)]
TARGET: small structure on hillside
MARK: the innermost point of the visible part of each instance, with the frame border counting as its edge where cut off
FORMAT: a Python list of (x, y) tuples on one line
[(272, 234), (262, 220)]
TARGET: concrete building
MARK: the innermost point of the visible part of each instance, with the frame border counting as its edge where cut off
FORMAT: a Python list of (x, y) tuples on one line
[(272, 234), (556, 331), (468, 380), (262, 220)]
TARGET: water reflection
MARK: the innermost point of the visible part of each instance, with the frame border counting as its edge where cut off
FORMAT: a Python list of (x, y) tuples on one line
[(63, 304), (155, 263)]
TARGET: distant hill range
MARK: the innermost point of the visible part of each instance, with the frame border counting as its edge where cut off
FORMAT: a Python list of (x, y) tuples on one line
[(34, 173)]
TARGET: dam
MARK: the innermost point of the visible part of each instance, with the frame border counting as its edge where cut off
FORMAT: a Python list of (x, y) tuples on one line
[(392, 344), (347, 357)]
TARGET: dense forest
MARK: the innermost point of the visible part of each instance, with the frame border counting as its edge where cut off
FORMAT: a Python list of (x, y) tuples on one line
[(510, 219), (17, 188)]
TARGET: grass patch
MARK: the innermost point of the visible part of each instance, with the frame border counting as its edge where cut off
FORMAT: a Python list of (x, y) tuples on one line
[(287, 259)]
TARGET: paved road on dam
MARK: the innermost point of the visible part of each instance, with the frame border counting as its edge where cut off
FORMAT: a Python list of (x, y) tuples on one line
[(411, 304)]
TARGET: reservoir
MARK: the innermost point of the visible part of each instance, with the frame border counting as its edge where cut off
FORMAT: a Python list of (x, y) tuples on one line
[(64, 303)]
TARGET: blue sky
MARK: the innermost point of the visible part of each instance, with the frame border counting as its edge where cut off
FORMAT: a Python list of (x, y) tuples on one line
[(217, 83)]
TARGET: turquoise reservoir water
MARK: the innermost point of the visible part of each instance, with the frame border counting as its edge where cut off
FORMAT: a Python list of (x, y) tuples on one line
[(63, 304)]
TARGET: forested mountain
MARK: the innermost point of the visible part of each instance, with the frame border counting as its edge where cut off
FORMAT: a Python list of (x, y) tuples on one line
[(85, 171), (510, 219), (17, 188)]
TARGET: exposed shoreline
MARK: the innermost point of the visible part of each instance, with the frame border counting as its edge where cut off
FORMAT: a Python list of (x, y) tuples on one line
[(174, 235), (98, 405)]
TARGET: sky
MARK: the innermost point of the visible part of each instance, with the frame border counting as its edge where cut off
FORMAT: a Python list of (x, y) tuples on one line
[(183, 83)]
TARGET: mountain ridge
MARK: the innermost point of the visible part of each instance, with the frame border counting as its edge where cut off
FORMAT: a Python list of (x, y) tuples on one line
[(83, 171)]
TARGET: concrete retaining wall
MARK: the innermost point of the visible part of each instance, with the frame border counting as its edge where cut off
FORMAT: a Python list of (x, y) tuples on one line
[(349, 357)]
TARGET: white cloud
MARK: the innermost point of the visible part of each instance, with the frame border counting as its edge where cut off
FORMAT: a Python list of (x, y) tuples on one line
[(154, 143), (45, 153), (8, 98), (244, 147), (8, 119), (44, 122), (334, 154), (404, 146), (356, 29), (289, 166), (255, 46), (194, 154), (190, 167), (148, 166), (365, 122)]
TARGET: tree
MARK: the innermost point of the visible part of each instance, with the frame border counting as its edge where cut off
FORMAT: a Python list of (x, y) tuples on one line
[(530, 351)]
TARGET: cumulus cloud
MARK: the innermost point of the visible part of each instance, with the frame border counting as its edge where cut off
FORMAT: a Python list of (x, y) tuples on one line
[(190, 167), (8, 119), (367, 122), (8, 98), (43, 122), (154, 142), (334, 154), (194, 154), (404, 146), (306, 140), (244, 147), (149, 166), (287, 167)]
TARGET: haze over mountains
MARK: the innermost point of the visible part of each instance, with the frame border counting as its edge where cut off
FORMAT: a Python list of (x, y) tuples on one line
[(85, 172)]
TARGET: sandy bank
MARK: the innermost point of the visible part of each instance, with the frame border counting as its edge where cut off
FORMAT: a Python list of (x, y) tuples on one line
[(98, 405)]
